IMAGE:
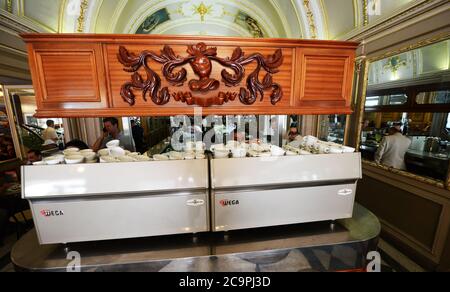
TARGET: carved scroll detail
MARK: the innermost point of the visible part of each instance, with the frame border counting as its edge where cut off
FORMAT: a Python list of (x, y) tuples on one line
[(200, 59), (189, 99)]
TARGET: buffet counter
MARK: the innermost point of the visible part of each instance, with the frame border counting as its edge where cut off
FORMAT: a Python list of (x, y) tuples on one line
[(106, 201), (293, 248)]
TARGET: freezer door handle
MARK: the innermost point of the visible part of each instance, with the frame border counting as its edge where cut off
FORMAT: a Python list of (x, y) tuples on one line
[(195, 203), (345, 192)]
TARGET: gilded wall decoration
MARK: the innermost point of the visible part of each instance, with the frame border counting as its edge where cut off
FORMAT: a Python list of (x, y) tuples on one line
[(81, 19)]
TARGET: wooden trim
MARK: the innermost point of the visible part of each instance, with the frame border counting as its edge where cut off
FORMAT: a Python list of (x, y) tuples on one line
[(161, 112), (438, 196), (411, 105), (406, 177), (181, 39)]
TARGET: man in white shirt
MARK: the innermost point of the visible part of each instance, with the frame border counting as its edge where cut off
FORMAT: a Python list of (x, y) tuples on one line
[(50, 132), (392, 149)]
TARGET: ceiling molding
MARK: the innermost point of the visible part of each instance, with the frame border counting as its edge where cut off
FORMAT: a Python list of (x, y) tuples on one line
[(384, 25), (299, 19), (357, 11), (303, 18), (45, 27), (16, 24), (94, 16), (283, 19), (13, 51), (325, 20), (116, 16), (319, 19)]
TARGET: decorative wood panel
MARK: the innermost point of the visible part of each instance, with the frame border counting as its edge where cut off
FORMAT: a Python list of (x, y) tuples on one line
[(136, 75), (326, 77), (68, 76)]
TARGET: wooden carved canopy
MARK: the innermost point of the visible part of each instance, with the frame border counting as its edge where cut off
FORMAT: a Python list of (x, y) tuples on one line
[(96, 75), (201, 58)]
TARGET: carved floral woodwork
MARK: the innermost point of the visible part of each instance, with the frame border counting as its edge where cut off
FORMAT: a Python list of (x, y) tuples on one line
[(200, 58)]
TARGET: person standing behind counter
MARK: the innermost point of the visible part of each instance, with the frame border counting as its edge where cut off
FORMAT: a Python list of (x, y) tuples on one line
[(50, 132), (392, 149), (112, 132)]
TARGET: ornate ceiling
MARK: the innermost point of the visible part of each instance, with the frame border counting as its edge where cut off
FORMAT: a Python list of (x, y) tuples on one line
[(357, 20), (321, 19)]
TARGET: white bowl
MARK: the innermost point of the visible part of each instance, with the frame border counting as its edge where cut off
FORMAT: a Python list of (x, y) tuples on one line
[(310, 140), (221, 154), (71, 151), (74, 159), (232, 144), (189, 157), (189, 146), (104, 152), (160, 157), (219, 147), (277, 151), (348, 149), (336, 150), (142, 158), (52, 160), (175, 155), (60, 157), (323, 149), (239, 152), (113, 144), (266, 147), (256, 147), (86, 151), (200, 146), (200, 156), (74, 149), (117, 152), (89, 155), (126, 159), (108, 159)]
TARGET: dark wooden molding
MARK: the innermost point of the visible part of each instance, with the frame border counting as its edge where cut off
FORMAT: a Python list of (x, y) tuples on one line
[(189, 99), (200, 58)]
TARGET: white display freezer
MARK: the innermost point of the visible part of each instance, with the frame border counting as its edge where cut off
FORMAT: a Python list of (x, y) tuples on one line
[(271, 191), (90, 202)]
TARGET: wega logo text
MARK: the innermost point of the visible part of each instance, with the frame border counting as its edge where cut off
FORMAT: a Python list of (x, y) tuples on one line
[(226, 203), (49, 213)]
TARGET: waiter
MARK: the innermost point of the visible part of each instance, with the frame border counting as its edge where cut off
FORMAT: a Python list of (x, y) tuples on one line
[(392, 149)]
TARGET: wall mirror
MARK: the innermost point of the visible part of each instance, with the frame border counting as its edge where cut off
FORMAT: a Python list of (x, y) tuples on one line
[(410, 91)]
